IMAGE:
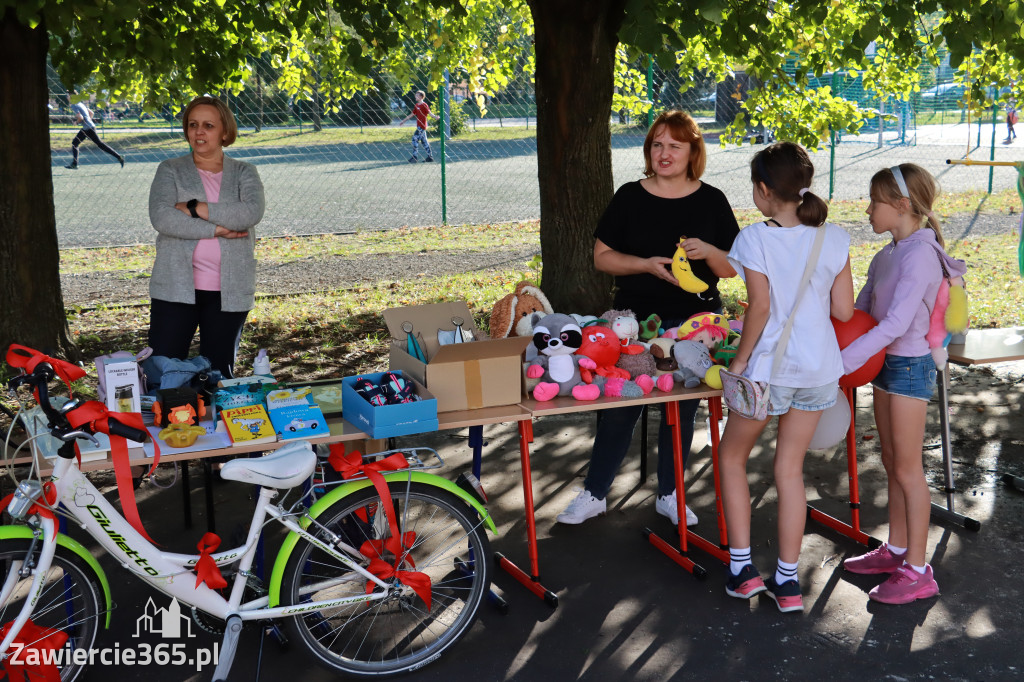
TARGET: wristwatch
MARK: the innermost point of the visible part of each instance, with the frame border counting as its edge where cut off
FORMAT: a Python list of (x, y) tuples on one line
[(191, 206)]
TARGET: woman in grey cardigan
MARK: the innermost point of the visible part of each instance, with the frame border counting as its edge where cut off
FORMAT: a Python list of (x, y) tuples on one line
[(204, 207)]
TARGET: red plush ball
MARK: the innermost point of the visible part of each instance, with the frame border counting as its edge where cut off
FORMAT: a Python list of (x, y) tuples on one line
[(846, 333)]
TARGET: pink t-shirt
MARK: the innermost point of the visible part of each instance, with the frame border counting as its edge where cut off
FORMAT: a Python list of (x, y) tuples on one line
[(206, 257)]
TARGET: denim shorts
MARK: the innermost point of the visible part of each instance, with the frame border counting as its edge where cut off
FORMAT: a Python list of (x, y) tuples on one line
[(910, 377), (816, 399)]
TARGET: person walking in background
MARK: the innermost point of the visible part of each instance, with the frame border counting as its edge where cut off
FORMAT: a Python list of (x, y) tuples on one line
[(902, 284), (806, 380), (84, 116), (419, 137), (204, 206), (1011, 120), (634, 241)]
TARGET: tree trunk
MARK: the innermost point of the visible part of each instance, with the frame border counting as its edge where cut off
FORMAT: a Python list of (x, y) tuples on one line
[(575, 49), (33, 307)]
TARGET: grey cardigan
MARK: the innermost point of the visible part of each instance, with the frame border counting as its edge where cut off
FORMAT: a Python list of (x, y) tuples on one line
[(239, 207)]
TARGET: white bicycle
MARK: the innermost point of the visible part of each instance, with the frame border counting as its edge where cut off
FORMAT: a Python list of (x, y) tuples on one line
[(343, 582)]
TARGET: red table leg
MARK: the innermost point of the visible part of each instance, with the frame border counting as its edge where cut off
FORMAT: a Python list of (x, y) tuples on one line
[(851, 530), (529, 581), (677, 555)]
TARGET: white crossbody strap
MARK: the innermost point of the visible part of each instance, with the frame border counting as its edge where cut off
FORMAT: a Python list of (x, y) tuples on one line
[(812, 262)]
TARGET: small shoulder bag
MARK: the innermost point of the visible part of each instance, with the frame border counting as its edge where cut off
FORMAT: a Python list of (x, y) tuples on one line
[(749, 398)]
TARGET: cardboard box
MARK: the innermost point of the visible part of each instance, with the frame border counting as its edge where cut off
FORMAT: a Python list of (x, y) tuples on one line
[(123, 387), (388, 420), (463, 376)]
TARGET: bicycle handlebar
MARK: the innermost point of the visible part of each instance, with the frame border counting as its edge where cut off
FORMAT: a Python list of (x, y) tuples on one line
[(58, 422)]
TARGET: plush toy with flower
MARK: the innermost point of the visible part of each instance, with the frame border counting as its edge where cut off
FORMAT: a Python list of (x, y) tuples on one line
[(709, 329)]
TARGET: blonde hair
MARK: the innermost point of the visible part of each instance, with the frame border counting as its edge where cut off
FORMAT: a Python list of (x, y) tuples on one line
[(921, 187)]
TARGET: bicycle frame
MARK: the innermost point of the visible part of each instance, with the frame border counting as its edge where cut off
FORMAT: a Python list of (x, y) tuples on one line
[(170, 572)]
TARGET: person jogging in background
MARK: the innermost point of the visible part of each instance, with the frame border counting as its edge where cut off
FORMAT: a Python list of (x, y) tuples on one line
[(84, 116), (421, 111)]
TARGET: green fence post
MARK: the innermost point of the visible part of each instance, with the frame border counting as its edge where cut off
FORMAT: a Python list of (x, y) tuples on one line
[(992, 149), (832, 147), (650, 91), (442, 103)]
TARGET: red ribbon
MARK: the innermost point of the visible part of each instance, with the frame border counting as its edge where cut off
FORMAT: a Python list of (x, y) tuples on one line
[(49, 496), (207, 570), (35, 640), (96, 417), (26, 359), (350, 465)]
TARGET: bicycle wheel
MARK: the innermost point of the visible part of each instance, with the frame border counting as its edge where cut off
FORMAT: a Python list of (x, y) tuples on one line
[(397, 633), (70, 601)]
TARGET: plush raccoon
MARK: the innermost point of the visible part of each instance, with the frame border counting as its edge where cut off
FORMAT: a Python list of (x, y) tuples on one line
[(557, 337)]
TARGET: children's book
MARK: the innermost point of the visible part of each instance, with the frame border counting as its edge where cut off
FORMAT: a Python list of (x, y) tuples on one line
[(240, 395), (294, 414), (247, 424)]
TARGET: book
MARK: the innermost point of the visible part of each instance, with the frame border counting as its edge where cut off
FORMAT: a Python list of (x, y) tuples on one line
[(294, 415), (247, 424), (240, 395)]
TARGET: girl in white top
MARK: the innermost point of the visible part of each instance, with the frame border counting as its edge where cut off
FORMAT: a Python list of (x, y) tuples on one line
[(770, 257)]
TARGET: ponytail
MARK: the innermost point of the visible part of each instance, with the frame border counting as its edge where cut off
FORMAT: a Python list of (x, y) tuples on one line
[(813, 210)]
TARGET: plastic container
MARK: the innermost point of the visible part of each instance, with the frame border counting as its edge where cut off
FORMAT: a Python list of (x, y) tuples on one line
[(261, 365)]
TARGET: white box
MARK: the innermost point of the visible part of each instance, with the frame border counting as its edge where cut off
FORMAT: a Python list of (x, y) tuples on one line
[(122, 384)]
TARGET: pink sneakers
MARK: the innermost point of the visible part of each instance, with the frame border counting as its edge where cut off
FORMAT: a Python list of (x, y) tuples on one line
[(906, 585), (879, 560)]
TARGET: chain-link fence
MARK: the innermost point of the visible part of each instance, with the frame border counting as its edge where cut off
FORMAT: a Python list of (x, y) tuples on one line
[(344, 166)]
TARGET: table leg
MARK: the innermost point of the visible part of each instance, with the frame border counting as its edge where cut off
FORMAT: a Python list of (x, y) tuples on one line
[(186, 494), (851, 530), (677, 555), (211, 522), (948, 513), (476, 442), (529, 581)]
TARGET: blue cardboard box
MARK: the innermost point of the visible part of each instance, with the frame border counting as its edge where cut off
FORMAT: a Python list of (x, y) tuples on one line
[(388, 420)]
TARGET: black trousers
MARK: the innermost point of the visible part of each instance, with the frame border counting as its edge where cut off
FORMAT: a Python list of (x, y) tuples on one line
[(91, 134), (172, 326)]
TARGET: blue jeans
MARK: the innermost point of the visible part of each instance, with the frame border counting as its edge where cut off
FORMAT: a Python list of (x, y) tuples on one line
[(614, 435), (420, 136), (910, 377)]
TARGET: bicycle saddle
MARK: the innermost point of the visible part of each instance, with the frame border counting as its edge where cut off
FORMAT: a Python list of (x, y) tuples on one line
[(284, 468)]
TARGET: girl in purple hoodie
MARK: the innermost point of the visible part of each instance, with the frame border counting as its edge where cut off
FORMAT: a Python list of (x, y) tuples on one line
[(902, 284)]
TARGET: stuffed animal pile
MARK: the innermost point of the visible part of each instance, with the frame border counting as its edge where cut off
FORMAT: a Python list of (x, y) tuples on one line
[(614, 354)]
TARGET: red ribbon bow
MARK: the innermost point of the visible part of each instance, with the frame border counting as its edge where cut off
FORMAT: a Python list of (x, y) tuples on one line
[(97, 418), (350, 465), (49, 496), (206, 568), (29, 662), (26, 359)]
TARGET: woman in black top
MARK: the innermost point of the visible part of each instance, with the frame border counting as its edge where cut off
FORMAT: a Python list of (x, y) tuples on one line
[(635, 240)]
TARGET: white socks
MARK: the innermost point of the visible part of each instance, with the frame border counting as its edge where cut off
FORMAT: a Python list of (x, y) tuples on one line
[(785, 572), (738, 558)]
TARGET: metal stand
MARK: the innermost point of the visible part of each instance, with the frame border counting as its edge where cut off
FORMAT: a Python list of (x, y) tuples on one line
[(948, 512)]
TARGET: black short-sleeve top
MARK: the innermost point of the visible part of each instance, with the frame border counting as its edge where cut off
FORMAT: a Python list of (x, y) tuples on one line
[(639, 223)]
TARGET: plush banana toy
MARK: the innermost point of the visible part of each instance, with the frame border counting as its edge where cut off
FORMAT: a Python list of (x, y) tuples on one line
[(684, 275)]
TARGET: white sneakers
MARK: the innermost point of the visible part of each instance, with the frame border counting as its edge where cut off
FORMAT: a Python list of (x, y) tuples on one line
[(585, 506), (668, 506)]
